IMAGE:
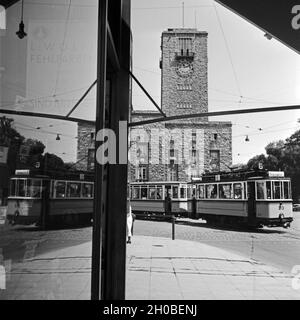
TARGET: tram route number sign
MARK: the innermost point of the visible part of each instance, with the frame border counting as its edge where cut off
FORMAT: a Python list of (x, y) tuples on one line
[(279, 19)]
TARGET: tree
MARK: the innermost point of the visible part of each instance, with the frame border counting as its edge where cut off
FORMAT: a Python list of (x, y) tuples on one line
[(285, 156), (53, 163), (12, 139), (33, 154)]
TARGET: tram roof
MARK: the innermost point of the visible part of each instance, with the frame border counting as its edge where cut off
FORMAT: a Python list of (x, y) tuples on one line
[(68, 175), (240, 175), (156, 183)]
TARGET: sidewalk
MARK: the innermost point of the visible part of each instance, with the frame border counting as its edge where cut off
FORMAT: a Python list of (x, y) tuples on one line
[(157, 268)]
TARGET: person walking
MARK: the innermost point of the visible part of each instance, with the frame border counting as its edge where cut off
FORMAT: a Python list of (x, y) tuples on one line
[(168, 204), (129, 222)]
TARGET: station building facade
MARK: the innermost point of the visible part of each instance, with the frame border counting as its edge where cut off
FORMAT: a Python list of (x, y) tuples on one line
[(180, 149)]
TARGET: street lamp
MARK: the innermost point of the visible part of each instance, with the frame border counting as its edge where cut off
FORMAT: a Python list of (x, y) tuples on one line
[(21, 32), (268, 36)]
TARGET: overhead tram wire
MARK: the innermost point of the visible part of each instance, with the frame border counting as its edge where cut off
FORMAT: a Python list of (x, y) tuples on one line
[(14, 104), (221, 91), (62, 48), (23, 127), (228, 50), (255, 130)]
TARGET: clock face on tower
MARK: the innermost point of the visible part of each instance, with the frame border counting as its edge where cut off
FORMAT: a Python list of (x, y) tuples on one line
[(184, 68)]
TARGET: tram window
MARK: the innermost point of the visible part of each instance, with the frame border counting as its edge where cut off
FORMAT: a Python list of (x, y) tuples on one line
[(191, 192), (13, 187), (182, 193), (73, 189), (144, 193), (60, 189), (211, 191), (286, 193), (28, 188), (152, 193), (175, 192), (269, 191), (200, 191), (276, 189), (22, 188), (87, 190), (34, 188), (159, 193), (225, 191), (260, 189), (128, 191), (136, 193), (237, 191), (129, 195)]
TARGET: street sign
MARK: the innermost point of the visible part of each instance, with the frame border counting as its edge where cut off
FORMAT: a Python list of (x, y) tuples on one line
[(279, 19)]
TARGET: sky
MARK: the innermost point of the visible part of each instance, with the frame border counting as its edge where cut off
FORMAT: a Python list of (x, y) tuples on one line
[(245, 70)]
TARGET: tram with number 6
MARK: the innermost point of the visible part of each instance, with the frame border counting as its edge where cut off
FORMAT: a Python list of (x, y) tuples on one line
[(255, 198)]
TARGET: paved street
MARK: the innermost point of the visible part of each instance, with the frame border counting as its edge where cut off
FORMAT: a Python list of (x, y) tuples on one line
[(157, 269), (277, 248)]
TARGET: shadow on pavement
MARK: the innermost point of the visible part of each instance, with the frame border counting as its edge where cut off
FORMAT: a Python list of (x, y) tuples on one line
[(237, 228), (34, 228)]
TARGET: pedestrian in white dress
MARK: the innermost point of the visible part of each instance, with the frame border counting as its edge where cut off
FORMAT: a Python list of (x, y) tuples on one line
[(129, 223)]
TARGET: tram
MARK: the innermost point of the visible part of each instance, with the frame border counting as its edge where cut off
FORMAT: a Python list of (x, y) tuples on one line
[(160, 198), (255, 198), (58, 201)]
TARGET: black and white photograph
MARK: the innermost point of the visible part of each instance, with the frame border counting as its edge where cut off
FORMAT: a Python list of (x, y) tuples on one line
[(150, 152)]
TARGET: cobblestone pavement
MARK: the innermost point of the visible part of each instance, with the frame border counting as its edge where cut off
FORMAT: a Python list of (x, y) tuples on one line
[(157, 268), (277, 246)]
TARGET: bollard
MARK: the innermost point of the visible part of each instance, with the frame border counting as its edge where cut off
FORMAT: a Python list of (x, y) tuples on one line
[(173, 227)]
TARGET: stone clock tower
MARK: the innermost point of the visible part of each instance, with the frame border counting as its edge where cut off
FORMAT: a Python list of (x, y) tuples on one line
[(184, 72), (182, 149)]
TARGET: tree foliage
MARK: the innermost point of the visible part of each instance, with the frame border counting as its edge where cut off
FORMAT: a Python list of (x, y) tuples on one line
[(34, 154), (53, 164), (12, 139), (285, 156), (27, 153)]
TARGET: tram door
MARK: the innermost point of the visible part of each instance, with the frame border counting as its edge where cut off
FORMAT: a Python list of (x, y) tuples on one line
[(168, 201), (251, 202)]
